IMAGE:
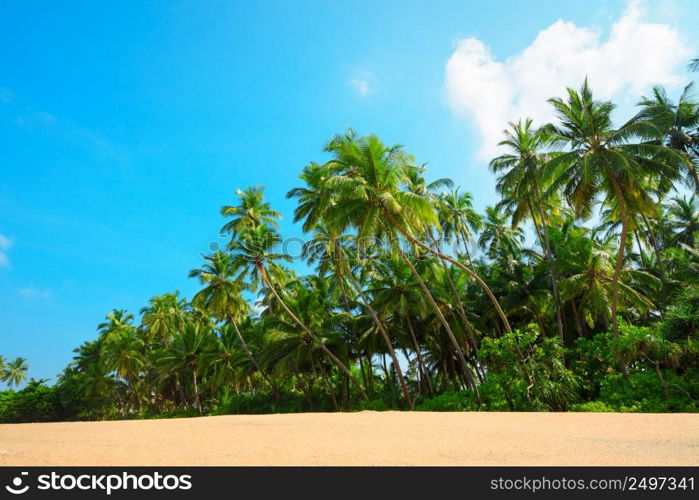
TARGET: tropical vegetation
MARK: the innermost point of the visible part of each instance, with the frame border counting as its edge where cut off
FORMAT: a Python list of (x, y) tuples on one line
[(578, 290)]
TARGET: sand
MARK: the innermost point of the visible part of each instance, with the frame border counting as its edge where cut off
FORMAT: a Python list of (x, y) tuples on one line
[(364, 438)]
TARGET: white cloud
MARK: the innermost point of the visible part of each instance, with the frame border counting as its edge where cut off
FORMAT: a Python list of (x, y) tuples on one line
[(5, 244), (35, 293), (362, 86), (635, 56)]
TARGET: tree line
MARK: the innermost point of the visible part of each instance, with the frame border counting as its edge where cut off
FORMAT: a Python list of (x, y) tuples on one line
[(415, 300)]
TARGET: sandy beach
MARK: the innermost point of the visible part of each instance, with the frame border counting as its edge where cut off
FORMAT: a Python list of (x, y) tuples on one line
[(365, 438)]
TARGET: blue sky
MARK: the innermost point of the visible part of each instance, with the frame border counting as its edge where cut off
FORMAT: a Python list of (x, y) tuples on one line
[(125, 127)]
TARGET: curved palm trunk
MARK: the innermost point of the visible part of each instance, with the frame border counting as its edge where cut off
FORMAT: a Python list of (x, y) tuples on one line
[(324, 348), (384, 334), (248, 352), (548, 252), (459, 353), (459, 304), (458, 264), (619, 261), (418, 353)]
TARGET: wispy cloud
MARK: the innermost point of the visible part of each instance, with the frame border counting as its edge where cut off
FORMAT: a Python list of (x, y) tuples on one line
[(635, 56), (33, 120), (361, 86), (5, 244), (35, 293)]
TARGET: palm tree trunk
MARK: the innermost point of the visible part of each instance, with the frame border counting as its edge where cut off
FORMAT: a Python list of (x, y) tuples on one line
[(316, 340), (548, 252), (384, 334), (248, 352), (619, 261), (420, 359), (459, 353), (196, 393), (457, 298), (458, 264)]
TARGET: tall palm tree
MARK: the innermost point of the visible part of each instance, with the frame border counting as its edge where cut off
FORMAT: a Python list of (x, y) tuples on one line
[(14, 372), (498, 238), (368, 195), (684, 220), (332, 252), (521, 182), (253, 254), (251, 211), (222, 297), (679, 124), (458, 218), (612, 162), (114, 321)]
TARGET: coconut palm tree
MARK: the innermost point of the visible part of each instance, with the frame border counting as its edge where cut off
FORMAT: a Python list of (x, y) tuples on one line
[(14, 372), (222, 298), (520, 183), (253, 254), (164, 315), (251, 211), (187, 353), (679, 125), (123, 353), (600, 160), (458, 219), (368, 196), (329, 250), (684, 220)]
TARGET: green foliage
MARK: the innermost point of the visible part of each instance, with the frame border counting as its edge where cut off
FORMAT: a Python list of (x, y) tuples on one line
[(530, 371), (449, 401)]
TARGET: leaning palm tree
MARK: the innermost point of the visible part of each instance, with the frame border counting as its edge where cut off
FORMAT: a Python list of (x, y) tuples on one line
[(601, 160), (329, 250), (367, 183), (254, 255), (520, 183), (14, 372), (222, 297)]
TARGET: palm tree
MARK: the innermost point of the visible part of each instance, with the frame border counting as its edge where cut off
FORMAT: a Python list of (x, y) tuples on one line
[(684, 220), (332, 252), (367, 195), (222, 297), (498, 238), (253, 254), (521, 182), (164, 315), (123, 353), (186, 355), (116, 319), (613, 163), (458, 219), (251, 212), (679, 124), (14, 372)]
